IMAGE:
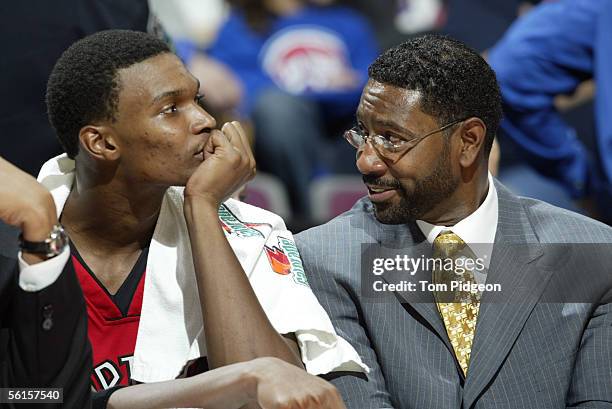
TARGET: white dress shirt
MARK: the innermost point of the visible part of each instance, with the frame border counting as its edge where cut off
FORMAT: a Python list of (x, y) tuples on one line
[(39, 276), (477, 229)]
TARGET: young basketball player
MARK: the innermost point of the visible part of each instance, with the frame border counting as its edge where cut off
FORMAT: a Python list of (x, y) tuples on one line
[(129, 116)]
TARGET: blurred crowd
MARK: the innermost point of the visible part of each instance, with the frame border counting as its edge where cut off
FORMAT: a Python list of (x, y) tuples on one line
[(292, 71)]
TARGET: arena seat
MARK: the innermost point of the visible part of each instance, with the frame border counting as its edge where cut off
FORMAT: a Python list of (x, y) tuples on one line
[(267, 191), (335, 194)]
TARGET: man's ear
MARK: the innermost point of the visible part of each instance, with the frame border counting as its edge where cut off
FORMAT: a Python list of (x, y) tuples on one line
[(473, 135), (99, 141)]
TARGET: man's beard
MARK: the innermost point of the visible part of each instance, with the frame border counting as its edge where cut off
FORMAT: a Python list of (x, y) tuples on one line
[(428, 192)]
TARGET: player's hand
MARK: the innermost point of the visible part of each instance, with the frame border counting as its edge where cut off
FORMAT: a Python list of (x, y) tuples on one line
[(228, 164), (280, 385), (25, 203)]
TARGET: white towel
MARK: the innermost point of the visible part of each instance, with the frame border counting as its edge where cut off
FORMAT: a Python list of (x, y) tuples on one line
[(171, 328)]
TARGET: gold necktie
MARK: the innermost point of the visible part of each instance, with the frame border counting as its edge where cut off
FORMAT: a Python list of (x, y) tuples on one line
[(458, 308)]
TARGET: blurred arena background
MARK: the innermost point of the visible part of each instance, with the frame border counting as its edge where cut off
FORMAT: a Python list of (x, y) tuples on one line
[(292, 71)]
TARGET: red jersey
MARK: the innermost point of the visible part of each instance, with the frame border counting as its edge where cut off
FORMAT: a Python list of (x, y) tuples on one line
[(112, 322)]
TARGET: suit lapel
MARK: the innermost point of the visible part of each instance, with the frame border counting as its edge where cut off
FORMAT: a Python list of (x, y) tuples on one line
[(409, 237), (503, 315), (428, 311)]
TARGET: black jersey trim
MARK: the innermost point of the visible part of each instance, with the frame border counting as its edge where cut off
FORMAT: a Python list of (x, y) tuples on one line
[(124, 296)]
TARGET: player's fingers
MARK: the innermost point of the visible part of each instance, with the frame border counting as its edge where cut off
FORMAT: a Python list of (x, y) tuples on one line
[(234, 141), (246, 147), (245, 141), (235, 150), (216, 140), (231, 133), (237, 140), (235, 137)]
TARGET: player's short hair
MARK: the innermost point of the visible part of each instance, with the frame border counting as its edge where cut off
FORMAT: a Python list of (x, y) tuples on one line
[(83, 86), (455, 82)]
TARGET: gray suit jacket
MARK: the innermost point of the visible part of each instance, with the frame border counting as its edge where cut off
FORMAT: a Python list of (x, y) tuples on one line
[(535, 349)]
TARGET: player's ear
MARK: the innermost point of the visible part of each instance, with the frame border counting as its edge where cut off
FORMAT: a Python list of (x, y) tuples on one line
[(100, 142)]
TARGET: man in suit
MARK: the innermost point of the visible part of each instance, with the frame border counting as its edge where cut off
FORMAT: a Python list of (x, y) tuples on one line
[(43, 340), (426, 123)]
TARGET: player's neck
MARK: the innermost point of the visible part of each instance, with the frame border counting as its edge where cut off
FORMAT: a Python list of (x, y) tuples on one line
[(111, 215)]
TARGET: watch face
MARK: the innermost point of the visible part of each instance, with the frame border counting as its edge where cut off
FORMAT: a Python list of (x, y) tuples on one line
[(57, 240), (51, 246)]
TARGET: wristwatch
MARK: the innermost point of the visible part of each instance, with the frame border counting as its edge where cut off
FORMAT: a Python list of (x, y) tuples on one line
[(50, 247)]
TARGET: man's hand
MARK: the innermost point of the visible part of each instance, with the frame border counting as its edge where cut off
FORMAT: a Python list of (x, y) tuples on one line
[(280, 385), (25, 203), (228, 164)]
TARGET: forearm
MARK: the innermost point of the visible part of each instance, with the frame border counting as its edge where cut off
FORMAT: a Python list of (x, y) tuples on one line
[(236, 325), (548, 142), (223, 388), (552, 147), (529, 89)]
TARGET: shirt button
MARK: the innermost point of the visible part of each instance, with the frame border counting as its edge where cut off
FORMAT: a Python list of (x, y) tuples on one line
[(47, 312)]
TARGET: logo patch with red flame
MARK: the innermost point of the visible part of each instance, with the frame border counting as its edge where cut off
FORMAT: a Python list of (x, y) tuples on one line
[(285, 260), (278, 260)]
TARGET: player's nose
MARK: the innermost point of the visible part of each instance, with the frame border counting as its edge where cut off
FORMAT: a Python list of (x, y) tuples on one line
[(202, 122)]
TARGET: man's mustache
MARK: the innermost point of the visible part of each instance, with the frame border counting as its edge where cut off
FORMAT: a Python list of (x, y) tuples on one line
[(373, 180)]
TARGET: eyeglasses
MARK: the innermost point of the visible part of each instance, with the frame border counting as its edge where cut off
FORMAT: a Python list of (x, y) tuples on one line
[(391, 148)]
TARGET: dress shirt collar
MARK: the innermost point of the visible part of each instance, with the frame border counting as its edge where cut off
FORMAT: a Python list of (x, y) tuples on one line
[(478, 228)]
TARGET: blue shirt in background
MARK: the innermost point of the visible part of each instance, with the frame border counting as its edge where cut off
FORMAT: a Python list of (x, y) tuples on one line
[(549, 52), (298, 54)]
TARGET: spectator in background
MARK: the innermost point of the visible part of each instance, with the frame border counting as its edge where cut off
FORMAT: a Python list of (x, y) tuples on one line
[(550, 52), (480, 23), (34, 35), (300, 66), (395, 21)]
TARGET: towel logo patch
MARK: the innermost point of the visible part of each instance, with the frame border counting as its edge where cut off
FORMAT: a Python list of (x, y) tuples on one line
[(232, 225), (278, 260), (285, 259)]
